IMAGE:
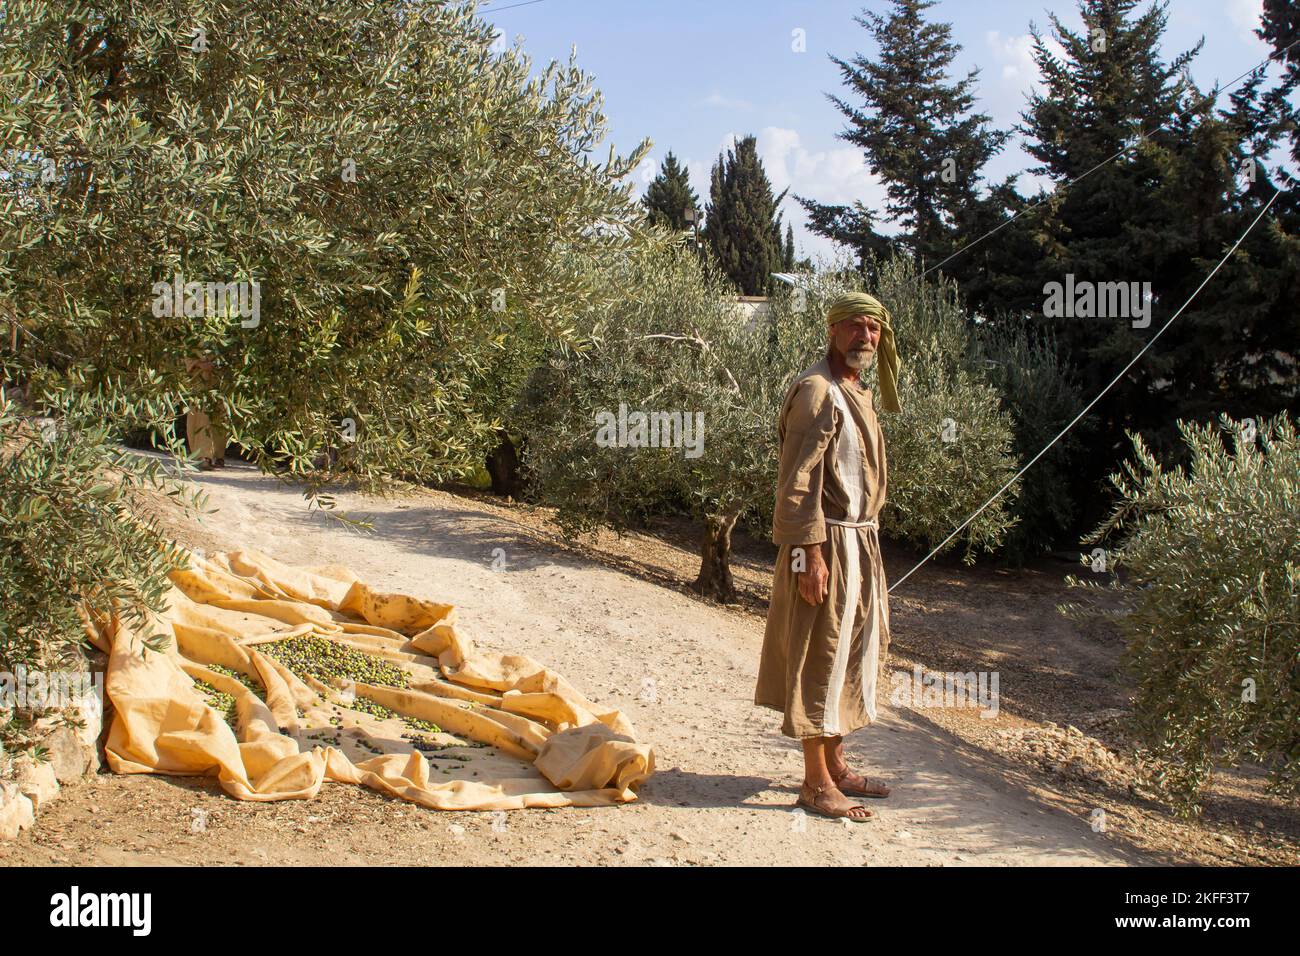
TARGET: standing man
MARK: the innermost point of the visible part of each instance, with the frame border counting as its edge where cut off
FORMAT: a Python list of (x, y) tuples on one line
[(207, 438), (828, 621)]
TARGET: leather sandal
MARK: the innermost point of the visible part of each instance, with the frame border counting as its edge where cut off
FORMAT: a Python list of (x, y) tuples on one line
[(817, 806), (870, 786)]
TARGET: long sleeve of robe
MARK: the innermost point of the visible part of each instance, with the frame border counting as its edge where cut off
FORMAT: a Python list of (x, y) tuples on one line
[(820, 662)]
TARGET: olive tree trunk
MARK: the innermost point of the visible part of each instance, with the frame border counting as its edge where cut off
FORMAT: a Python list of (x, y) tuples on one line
[(503, 469), (715, 579)]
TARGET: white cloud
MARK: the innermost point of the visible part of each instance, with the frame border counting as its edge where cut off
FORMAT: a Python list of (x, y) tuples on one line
[(1245, 15), (718, 100), (838, 176), (1004, 93), (1014, 76), (1015, 54)]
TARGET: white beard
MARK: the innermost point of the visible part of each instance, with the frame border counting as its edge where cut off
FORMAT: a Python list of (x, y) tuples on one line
[(857, 360)]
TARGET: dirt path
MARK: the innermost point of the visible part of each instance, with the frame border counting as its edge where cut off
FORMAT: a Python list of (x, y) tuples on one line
[(683, 671)]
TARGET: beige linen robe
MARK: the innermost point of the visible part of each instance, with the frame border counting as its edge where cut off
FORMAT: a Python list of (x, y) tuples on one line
[(207, 439), (820, 662)]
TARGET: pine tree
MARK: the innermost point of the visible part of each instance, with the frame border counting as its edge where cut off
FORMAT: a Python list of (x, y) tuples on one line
[(1161, 201), (743, 228), (918, 133), (669, 196), (1257, 374), (1280, 25)]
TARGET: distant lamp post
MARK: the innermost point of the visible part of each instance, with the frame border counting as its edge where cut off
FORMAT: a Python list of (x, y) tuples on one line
[(693, 220)]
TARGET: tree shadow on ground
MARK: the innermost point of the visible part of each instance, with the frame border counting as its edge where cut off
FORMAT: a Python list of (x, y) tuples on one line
[(972, 791)]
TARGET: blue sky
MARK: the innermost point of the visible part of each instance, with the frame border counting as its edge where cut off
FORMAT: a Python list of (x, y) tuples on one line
[(692, 75)]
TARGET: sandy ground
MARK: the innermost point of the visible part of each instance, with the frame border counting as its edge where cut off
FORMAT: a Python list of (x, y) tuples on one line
[(682, 669)]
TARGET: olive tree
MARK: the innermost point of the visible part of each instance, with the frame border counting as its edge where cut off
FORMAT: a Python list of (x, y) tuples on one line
[(346, 232), (1042, 394), (367, 219), (1205, 562), (659, 414), (950, 448), (677, 344), (72, 543)]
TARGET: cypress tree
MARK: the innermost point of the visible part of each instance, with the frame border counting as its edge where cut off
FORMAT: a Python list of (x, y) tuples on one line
[(743, 228)]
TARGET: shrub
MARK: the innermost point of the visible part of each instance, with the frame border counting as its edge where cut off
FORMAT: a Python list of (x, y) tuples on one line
[(950, 449), (1209, 557), (72, 542), (1042, 395)]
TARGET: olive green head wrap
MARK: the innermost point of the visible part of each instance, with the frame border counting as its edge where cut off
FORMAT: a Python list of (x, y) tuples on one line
[(850, 304)]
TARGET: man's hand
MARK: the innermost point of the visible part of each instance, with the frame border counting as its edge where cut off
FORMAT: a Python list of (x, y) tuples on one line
[(814, 583)]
